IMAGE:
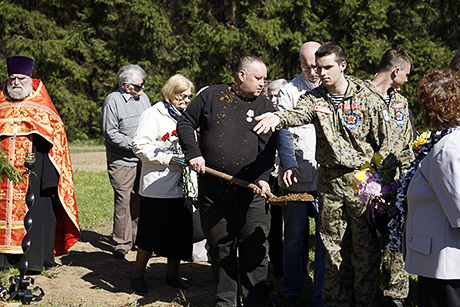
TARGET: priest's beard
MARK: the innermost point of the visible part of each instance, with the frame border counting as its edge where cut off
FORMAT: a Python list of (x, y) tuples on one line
[(19, 92)]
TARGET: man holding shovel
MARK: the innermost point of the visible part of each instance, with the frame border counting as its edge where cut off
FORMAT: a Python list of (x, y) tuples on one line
[(235, 221)]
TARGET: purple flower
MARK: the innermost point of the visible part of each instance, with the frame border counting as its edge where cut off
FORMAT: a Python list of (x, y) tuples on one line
[(394, 186), (386, 189), (369, 190), (381, 208), (392, 210)]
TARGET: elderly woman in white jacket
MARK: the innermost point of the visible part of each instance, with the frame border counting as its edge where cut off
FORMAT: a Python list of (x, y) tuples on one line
[(433, 195), (165, 222)]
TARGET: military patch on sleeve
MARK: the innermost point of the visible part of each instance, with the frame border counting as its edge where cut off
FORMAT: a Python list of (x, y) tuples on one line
[(351, 121), (400, 118)]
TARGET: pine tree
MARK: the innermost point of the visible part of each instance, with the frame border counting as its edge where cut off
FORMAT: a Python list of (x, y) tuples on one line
[(7, 171)]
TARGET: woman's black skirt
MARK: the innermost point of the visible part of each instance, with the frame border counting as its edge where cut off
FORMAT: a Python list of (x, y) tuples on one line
[(165, 227)]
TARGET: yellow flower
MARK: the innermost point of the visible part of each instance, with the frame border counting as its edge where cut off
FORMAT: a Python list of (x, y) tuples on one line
[(358, 179), (360, 176), (354, 186), (377, 159), (421, 140)]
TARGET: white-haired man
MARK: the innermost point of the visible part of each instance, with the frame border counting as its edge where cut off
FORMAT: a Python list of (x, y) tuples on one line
[(120, 117)]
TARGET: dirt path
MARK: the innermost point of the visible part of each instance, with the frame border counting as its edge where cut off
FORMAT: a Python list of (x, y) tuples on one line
[(93, 161), (90, 276)]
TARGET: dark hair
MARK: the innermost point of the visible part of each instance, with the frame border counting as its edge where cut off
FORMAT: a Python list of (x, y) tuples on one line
[(439, 96), (331, 48), (245, 63), (393, 58), (455, 63)]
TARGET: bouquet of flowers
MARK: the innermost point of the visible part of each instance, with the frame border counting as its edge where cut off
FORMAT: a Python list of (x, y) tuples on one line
[(378, 189), (173, 139), (188, 186)]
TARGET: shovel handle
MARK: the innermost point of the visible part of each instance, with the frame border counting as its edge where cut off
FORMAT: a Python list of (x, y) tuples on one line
[(240, 182)]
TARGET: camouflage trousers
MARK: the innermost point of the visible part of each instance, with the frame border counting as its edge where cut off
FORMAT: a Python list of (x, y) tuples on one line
[(352, 254), (395, 277)]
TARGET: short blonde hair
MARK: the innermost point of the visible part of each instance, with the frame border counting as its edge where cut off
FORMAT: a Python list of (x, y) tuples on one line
[(175, 86)]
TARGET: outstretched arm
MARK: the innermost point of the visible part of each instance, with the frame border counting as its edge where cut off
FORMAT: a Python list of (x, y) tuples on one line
[(267, 121), (302, 114)]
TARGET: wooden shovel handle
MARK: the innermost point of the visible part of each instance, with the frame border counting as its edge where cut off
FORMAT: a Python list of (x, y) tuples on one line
[(235, 180)]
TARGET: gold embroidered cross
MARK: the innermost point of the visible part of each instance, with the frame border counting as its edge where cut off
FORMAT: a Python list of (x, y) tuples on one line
[(19, 195)]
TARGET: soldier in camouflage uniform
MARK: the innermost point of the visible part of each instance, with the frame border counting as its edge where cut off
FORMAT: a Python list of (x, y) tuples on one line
[(393, 70), (350, 129)]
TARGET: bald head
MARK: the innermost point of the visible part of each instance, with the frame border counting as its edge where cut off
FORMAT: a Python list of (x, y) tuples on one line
[(308, 48), (308, 62)]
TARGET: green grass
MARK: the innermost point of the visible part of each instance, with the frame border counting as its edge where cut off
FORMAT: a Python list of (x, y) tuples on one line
[(94, 198)]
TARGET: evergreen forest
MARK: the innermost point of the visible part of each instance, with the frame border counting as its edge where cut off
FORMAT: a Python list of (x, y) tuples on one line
[(80, 45)]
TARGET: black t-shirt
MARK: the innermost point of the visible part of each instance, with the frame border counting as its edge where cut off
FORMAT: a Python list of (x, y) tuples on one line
[(226, 140)]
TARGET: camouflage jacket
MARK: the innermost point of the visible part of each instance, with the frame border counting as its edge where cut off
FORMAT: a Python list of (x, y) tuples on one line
[(396, 117), (347, 136)]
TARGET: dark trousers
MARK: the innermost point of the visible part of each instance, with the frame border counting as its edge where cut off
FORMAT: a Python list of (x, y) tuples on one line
[(275, 236), (236, 225), (275, 239), (434, 292)]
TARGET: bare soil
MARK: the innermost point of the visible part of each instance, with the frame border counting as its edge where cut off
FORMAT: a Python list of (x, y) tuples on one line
[(89, 275)]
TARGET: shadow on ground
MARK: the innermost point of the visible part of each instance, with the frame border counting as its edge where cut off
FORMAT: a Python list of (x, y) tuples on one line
[(114, 275)]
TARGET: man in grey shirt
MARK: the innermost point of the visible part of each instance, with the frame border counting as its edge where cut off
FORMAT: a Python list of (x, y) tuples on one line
[(120, 117)]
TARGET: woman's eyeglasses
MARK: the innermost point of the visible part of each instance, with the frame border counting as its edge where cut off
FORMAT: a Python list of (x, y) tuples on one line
[(184, 96)]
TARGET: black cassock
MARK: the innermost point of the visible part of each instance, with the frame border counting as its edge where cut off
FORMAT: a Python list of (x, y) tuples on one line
[(44, 183)]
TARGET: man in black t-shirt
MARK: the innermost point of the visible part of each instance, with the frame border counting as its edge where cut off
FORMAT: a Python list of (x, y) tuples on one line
[(233, 218)]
